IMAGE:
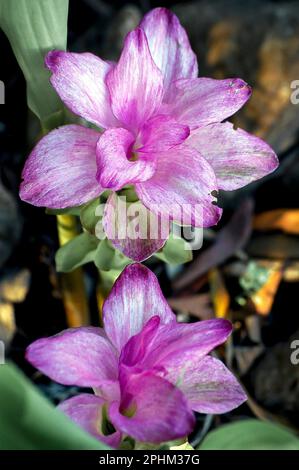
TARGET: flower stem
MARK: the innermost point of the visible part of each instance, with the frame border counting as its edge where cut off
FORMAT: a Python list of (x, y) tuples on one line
[(73, 288)]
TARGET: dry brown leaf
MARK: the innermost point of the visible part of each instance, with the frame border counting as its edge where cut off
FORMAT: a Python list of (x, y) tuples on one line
[(7, 322), (72, 283), (276, 246), (219, 293), (198, 305), (246, 355), (286, 220), (229, 240)]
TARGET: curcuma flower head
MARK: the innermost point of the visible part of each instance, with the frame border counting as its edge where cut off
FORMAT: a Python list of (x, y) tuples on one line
[(148, 372), (163, 129)]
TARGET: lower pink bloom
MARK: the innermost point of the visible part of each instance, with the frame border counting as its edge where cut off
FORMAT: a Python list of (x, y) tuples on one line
[(148, 372)]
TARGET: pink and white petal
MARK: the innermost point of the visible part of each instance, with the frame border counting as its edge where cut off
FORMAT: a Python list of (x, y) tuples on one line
[(79, 79), (108, 391), (136, 349), (86, 411), (115, 169), (238, 158), (77, 356), (135, 83), (158, 410), (132, 229), (135, 297), (61, 170), (209, 386), (174, 347), (182, 188), (160, 133), (169, 46), (200, 101)]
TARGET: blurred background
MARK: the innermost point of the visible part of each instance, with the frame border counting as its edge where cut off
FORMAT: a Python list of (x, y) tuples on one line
[(248, 268)]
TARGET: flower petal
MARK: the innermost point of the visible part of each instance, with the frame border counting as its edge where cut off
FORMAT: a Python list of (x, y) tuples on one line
[(160, 410), (238, 158), (169, 45), (135, 83), (181, 188), (86, 411), (174, 347), (61, 170), (78, 356), (201, 101), (115, 170), (135, 297), (209, 386), (160, 133), (132, 229), (79, 79)]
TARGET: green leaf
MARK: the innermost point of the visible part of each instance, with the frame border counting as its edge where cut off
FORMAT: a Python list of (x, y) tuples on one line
[(29, 422), (33, 28), (174, 251), (108, 258), (250, 434), (88, 216), (78, 251)]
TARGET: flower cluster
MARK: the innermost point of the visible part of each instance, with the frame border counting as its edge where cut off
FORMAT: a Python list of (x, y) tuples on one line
[(157, 127), (148, 372), (163, 130)]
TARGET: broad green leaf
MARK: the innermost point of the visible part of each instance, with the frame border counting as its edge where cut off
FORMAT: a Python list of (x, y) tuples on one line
[(250, 434), (174, 251), (78, 251), (88, 216), (33, 28), (107, 257), (28, 421)]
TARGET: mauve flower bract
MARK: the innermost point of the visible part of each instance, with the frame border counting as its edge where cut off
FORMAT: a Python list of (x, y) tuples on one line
[(148, 372), (163, 130)]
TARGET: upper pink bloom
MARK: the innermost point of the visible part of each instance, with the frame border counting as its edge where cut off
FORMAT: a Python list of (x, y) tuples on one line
[(148, 371), (164, 130)]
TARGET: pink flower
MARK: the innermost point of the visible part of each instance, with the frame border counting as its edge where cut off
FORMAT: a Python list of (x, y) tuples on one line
[(148, 371), (164, 130)]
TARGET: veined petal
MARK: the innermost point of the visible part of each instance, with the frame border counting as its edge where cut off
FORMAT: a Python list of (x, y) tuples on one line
[(200, 101), (135, 83), (79, 79), (78, 356), (86, 411), (209, 386), (136, 349), (135, 297), (158, 411), (238, 158), (132, 229), (181, 188), (115, 170), (169, 46), (175, 347), (160, 133), (61, 170)]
